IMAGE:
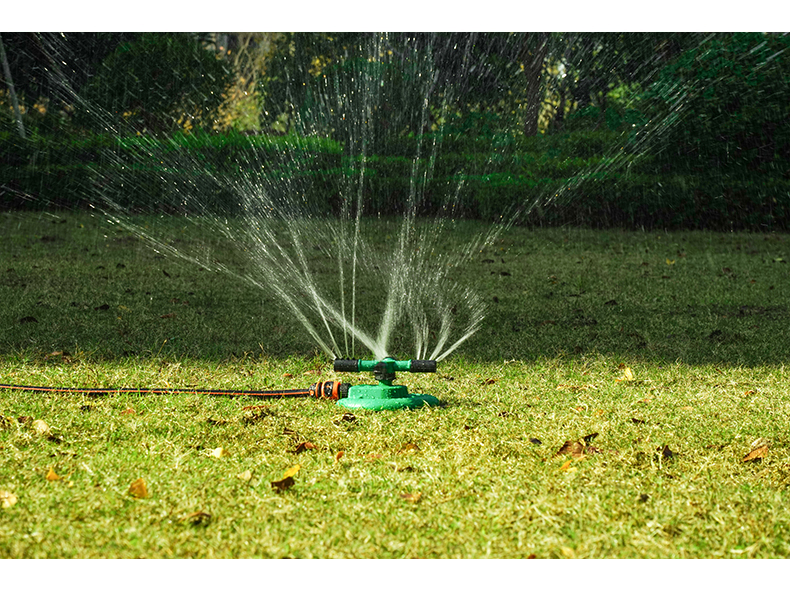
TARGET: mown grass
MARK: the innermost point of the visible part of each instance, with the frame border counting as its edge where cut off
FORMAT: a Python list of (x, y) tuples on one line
[(670, 348)]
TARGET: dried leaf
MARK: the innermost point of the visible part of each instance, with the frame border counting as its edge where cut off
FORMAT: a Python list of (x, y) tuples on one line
[(407, 448), (490, 381), (757, 454), (198, 518), (138, 489), (302, 446), (219, 452), (339, 455), (170, 315), (567, 466), (292, 471), (282, 484), (52, 475), (575, 449), (40, 426), (412, 497), (128, 411), (287, 480), (7, 499), (589, 437), (245, 475)]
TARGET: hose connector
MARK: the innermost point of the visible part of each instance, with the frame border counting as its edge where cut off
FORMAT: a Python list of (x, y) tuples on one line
[(329, 389)]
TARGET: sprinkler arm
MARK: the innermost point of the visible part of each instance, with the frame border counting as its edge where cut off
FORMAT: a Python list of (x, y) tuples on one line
[(384, 370)]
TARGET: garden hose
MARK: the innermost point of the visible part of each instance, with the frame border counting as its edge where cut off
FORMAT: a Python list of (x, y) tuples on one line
[(321, 390)]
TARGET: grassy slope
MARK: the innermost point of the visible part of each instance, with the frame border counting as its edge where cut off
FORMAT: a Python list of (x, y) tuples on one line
[(698, 319)]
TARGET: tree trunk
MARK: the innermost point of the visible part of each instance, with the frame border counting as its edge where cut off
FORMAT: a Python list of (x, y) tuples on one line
[(533, 54), (12, 92)]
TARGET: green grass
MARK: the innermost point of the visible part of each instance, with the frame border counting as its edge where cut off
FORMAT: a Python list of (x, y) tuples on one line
[(698, 319)]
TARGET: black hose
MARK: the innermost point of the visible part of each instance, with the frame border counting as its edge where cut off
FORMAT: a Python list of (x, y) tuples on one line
[(322, 390)]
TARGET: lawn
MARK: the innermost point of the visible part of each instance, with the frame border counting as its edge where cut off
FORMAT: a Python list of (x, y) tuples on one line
[(625, 397)]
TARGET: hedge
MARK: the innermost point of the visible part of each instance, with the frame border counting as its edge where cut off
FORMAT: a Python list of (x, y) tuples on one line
[(559, 179)]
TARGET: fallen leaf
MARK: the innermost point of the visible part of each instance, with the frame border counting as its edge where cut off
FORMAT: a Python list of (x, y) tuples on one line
[(40, 426), (138, 489), (628, 374), (575, 449), (198, 518), (7, 499), (412, 497), (756, 454), (349, 417), (286, 375), (567, 466), (302, 446), (339, 455), (170, 315), (287, 480), (535, 441), (245, 475), (128, 411), (637, 421), (590, 437), (218, 452), (407, 448), (490, 381), (52, 475)]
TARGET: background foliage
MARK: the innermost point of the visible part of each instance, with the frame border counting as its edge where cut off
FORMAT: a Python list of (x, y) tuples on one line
[(626, 129)]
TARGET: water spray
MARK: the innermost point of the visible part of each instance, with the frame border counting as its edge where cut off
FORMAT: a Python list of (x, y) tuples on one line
[(374, 397)]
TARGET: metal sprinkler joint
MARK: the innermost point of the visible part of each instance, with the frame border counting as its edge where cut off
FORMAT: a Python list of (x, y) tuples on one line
[(384, 395)]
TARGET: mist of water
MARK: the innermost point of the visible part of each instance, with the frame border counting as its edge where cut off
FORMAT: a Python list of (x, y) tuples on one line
[(352, 290)]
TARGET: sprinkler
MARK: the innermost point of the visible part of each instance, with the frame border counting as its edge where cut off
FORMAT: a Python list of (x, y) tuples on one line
[(375, 397), (383, 395)]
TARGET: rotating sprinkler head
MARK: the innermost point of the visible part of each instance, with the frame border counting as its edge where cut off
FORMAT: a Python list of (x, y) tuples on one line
[(384, 395)]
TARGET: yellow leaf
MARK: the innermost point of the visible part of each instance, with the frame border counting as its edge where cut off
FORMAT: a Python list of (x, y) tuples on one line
[(52, 475), (292, 471), (245, 476), (138, 489), (7, 499), (670, 261), (567, 466), (412, 497), (218, 452)]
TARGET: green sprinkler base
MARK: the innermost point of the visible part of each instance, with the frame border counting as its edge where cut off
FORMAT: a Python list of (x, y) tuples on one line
[(378, 397)]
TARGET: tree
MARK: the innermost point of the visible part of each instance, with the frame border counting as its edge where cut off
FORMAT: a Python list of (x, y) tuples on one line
[(534, 49), (159, 82), (10, 82), (726, 103)]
